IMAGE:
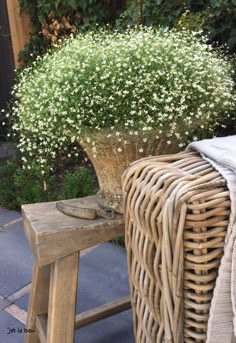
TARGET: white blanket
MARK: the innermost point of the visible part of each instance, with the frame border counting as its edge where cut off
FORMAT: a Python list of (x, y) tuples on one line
[(221, 153)]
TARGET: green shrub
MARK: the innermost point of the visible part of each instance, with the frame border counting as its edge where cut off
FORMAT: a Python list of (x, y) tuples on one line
[(34, 48), (152, 12), (33, 186), (216, 17), (55, 20), (77, 184), (219, 17), (20, 186), (91, 10), (140, 82), (8, 189), (220, 23), (192, 21)]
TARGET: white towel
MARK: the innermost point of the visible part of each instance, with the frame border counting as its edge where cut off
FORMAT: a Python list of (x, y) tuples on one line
[(221, 153)]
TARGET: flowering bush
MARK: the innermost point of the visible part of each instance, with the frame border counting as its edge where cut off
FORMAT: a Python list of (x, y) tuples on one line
[(141, 82)]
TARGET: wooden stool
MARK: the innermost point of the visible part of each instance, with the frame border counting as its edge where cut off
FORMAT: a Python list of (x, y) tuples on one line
[(56, 240)]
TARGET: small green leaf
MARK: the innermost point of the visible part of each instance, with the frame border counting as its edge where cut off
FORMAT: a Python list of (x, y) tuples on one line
[(73, 4), (232, 42)]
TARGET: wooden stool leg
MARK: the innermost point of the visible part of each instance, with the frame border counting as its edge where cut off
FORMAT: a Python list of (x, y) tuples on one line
[(38, 303), (62, 300)]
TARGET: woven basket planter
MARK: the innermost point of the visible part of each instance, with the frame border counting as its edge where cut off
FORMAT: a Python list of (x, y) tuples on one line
[(177, 213), (110, 163)]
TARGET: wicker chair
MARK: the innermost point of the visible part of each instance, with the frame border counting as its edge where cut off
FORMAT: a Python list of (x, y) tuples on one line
[(176, 213)]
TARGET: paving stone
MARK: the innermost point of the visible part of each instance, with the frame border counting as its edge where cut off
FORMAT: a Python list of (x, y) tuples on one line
[(4, 303), (17, 312), (23, 302), (7, 216), (110, 330), (16, 260), (115, 329), (102, 278), (12, 325), (20, 293)]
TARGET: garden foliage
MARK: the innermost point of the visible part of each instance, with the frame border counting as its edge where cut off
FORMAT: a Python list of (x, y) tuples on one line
[(220, 23), (152, 12), (58, 19), (76, 184), (138, 82), (54, 20), (22, 186), (91, 10), (217, 18), (8, 189)]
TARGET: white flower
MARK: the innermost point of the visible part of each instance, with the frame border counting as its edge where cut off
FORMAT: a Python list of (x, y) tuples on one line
[(142, 83)]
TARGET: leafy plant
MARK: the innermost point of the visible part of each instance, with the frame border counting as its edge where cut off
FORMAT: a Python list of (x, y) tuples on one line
[(77, 184), (140, 82), (192, 21), (152, 12), (34, 48), (220, 23), (8, 189), (29, 185), (91, 10), (216, 17), (33, 186), (56, 20)]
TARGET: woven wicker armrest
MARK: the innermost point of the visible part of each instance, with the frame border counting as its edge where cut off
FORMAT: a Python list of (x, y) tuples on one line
[(176, 213)]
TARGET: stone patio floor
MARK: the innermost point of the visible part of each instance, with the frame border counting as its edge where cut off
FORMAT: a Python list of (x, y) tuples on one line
[(102, 278)]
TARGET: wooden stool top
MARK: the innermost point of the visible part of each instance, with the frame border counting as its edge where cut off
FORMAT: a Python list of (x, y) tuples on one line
[(53, 235)]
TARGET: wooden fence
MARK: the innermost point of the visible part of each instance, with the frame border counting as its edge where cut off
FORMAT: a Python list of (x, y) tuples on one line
[(14, 34), (20, 28), (7, 64)]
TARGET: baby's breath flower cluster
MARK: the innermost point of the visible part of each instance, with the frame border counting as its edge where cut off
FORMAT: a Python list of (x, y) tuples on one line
[(140, 82)]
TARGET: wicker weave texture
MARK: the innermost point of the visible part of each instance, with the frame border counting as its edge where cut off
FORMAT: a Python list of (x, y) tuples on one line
[(176, 213)]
